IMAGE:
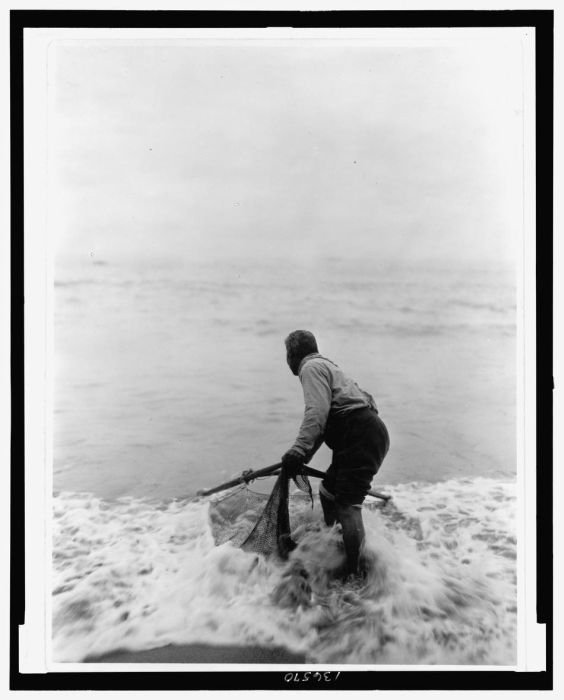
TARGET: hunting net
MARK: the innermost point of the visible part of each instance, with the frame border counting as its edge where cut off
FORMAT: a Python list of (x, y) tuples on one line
[(234, 517)]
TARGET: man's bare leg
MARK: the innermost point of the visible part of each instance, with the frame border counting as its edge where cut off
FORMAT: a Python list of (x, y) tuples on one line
[(350, 518), (328, 507)]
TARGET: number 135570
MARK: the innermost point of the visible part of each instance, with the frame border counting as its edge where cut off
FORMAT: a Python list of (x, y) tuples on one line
[(319, 676)]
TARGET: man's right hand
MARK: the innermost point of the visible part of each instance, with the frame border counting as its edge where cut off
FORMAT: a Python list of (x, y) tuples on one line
[(293, 462)]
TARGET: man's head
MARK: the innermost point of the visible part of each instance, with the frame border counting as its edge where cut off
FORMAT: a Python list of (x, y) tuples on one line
[(298, 345)]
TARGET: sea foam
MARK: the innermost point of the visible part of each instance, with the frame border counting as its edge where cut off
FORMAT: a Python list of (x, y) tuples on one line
[(441, 587)]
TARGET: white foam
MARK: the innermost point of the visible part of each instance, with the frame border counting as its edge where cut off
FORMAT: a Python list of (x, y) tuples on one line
[(441, 589)]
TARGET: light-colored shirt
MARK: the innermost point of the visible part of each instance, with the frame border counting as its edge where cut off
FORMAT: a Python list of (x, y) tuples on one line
[(327, 390)]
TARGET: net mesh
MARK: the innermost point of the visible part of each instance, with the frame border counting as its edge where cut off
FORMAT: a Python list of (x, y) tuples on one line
[(234, 517)]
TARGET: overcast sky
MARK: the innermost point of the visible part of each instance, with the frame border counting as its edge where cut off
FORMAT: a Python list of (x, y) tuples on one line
[(195, 150)]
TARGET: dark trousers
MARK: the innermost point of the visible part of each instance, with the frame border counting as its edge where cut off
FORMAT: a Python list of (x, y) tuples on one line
[(360, 441)]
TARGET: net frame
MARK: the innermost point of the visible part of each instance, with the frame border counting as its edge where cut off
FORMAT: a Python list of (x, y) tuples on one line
[(270, 533)]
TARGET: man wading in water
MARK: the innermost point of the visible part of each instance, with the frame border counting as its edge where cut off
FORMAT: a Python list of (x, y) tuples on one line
[(339, 413)]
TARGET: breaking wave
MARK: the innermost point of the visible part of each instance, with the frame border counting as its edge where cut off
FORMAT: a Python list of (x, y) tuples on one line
[(441, 588)]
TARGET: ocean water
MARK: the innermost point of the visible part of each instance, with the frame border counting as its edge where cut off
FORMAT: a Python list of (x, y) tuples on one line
[(135, 575), (171, 377)]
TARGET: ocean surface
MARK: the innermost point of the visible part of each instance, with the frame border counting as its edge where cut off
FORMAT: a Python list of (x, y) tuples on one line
[(171, 377)]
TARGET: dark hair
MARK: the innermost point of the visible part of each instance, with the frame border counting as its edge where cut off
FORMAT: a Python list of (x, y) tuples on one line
[(300, 343)]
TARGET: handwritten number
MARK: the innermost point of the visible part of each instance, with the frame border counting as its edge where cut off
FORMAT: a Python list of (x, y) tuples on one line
[(304, 677)]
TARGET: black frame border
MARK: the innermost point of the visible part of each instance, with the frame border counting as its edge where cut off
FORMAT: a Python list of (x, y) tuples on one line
[(543, 23)]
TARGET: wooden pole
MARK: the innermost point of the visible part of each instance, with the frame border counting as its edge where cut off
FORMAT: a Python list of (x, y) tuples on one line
[(267, 471), (321, 475), (245, 477)]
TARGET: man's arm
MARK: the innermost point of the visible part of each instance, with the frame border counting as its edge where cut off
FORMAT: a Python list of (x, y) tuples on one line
[(317, 397)]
